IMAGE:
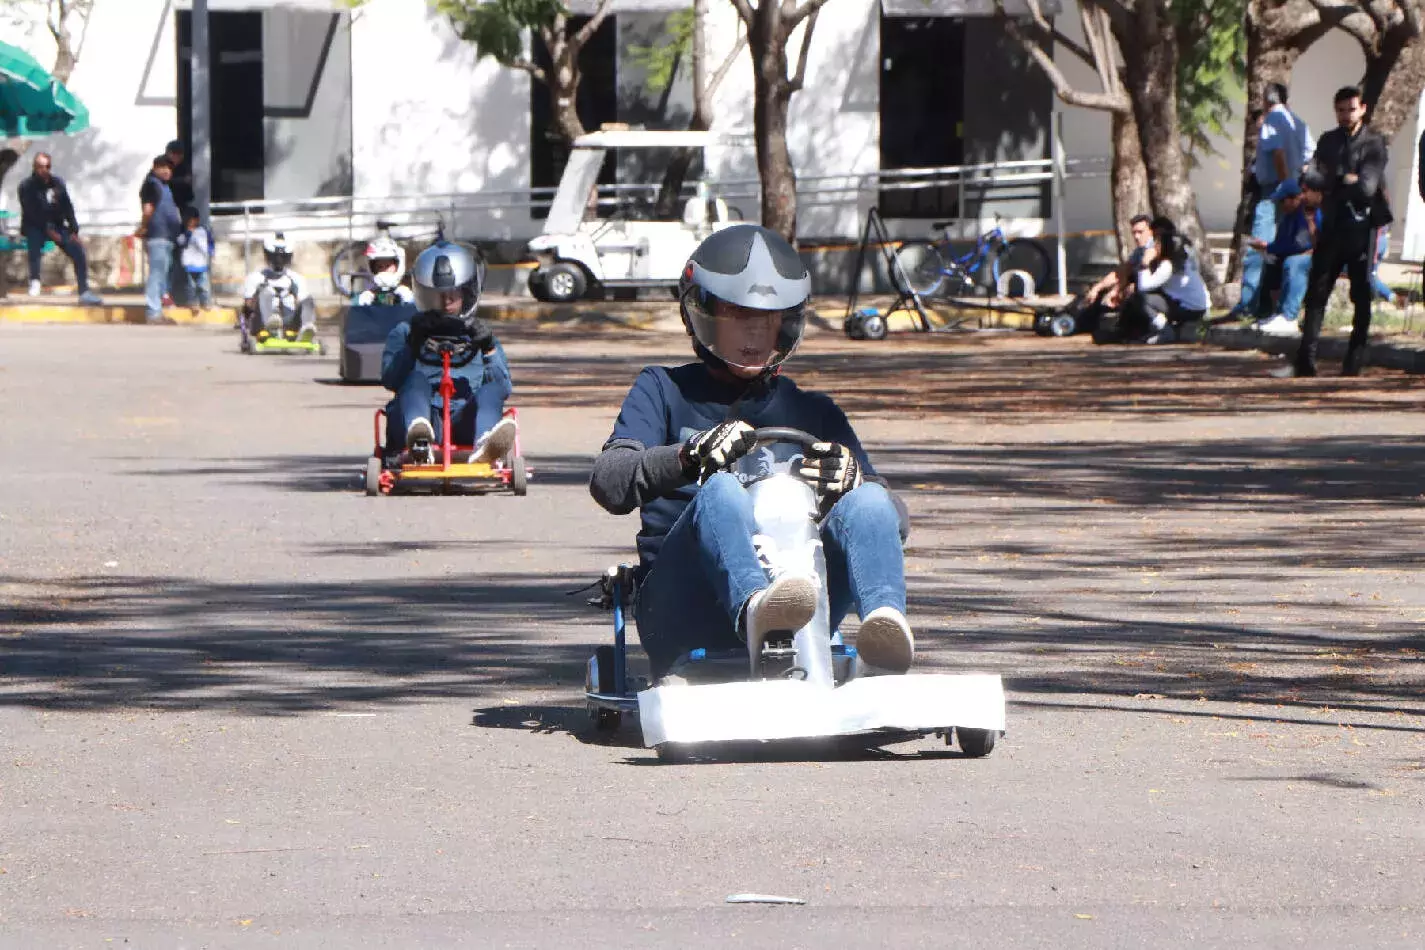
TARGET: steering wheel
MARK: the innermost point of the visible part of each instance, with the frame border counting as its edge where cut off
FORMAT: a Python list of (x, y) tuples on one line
[(770, 434), (461, 350)]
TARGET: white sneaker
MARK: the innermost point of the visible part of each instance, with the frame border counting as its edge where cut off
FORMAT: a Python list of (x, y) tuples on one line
[(35, 288), (1278, 325), (787, 604), (885, 640), (497, 443), (307, 334), (420, 430)]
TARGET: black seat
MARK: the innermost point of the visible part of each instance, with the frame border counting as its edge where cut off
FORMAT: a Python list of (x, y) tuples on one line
[(941, 225)]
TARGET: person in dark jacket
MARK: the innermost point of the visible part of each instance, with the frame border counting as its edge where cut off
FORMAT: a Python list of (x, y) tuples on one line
[(47, 214), (701, 583), (161, 225), (1348, 169)]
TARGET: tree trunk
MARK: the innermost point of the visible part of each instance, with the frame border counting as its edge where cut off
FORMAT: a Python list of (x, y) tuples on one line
[(1150, 62), (772, 94), (1129, 179), (564, 85), (671, 190), (1392, 87)]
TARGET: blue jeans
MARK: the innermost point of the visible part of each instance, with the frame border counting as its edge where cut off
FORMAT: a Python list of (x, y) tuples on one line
[(35, 239), (1264, 226), (481, 389), (200, 288), (708, 567), (160, 261), (1382, 245), (1291, 276)]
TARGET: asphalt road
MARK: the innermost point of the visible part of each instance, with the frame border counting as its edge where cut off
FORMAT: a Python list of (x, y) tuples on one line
[(242, 704)]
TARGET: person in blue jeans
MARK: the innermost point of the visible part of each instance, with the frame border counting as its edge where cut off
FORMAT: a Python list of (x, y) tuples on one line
[(1284, 147), (159, 228), (47, 214), (448, 279), (1381, 288), (1287, 258), (700, 581)]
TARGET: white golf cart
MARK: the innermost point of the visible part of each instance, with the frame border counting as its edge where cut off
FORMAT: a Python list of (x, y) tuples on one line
[(580, 253)]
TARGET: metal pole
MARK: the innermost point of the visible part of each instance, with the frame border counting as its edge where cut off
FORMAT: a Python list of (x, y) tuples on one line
[(200, 104), (1061, 253)]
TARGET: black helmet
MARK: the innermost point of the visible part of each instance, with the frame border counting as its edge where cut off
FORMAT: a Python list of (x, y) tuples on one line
[(735, 273), (446, 267)]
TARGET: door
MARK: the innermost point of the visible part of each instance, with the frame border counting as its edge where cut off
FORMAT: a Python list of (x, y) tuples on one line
[(922, 108), (235, 101)]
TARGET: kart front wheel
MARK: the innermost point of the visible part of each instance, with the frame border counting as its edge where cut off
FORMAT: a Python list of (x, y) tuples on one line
[(976, 743), (605, 720), (873, 326), (519, 478), (373, 476)]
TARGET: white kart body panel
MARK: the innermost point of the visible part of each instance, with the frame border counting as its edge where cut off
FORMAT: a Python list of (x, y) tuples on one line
[(792, 709)]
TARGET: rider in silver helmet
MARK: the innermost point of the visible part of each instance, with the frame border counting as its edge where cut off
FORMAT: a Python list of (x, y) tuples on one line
[(448, 279), (744, 293)]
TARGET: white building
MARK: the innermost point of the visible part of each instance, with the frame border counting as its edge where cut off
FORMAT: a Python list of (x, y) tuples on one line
[(388, 105)]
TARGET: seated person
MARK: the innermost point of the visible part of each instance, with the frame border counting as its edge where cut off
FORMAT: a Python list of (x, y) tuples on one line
[(387, 262), (1287, 258), (1113, 289), (276, 298), (448, 280), (700, 581), (1168, 290)]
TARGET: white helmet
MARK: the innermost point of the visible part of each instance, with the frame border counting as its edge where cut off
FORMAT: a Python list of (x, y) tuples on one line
[(386, 249), (277, 250)]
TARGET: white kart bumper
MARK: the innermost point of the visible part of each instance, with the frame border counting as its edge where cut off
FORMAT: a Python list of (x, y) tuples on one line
[(790, 709)]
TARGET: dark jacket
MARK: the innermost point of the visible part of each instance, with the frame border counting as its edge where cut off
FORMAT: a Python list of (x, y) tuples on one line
[(46, 204), (1339, 154)]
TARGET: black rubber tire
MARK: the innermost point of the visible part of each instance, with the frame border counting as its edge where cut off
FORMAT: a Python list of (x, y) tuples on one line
[(519, 484), (565, 282), (1063, 324), (976, 743), (874, 327), (373, 476), (922, 265), (1026, 255), (606, 720), (538, 289), (852, 326)]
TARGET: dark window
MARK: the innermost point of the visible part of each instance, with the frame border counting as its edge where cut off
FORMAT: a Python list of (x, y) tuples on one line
[(597, 103), (235, 102), (922, 109)]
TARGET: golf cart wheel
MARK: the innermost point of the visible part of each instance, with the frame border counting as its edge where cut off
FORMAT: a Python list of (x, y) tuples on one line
[(564, 282), (873, 326), (519, 478), (1063, 324), (605, 720), (976, 743), (373, 476)]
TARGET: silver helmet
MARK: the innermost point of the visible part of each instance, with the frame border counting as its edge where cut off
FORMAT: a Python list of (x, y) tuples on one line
[(448, 268), (744, 294)]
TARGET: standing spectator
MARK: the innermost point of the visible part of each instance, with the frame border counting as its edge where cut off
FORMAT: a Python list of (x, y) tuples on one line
[(1348, 169), (1283, 149), (159, 229), (181, 184), (195, 257), (46, 213)]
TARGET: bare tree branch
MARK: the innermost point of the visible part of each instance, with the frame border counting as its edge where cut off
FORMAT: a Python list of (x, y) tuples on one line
[(744, 10), (1108, 101), (597, 20), (808, 9), (726, 66), (529, 67), (801, 74)]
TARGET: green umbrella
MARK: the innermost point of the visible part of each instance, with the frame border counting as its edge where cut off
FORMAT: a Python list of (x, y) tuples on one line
[(32, 102)]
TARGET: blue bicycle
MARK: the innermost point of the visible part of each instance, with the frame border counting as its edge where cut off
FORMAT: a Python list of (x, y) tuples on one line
[(930, 268)]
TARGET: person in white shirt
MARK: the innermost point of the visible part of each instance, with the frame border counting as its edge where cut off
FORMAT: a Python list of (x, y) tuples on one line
[(1284, 148), (278, 297), (387, 262), (195, 256)]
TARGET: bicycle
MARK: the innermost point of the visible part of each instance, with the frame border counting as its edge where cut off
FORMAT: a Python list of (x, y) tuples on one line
[(928, 267)]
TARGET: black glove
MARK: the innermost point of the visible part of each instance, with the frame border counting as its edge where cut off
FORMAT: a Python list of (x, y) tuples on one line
[(422, 329), (712, 449), (831, 470), (481, 334)]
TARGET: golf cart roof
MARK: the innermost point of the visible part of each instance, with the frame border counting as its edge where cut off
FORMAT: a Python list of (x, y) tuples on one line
[(641, 138)]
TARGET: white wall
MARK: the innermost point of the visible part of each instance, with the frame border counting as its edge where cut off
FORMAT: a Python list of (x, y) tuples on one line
[(309, 154), (428, 119), (126, 78)]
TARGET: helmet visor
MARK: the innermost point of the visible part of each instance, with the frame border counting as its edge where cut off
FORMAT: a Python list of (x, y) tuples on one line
[(453, 302), (745, 338)]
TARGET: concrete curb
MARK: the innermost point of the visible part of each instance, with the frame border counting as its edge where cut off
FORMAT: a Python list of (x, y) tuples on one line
[(76, 313), (1405, 357)]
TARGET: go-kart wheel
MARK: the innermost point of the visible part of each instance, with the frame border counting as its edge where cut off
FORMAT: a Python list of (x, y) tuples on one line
[(1063, 324), (605, 720), (873, 326), (519, 484), (852, 327), (373, 476), (976, 743)]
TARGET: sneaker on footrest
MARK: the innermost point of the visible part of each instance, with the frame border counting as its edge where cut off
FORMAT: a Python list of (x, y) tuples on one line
[(787, 605), (885, 640), (497, 443)]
